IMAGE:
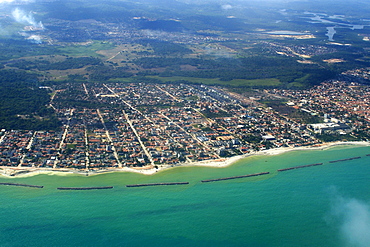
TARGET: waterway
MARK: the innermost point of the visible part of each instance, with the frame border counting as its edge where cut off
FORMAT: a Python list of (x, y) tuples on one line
[(330, 33), (326, 205), (323, 18)]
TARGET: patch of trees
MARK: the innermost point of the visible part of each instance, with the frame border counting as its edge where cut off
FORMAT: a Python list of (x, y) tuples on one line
[(353, 57), (79, 103), (209, 113), (140, 79), (287, 70), (22, 104), (12, 48), (160, 62), (283, 109), (165, 48), (13, 122), (250, 138), (69, 63), (23, 101), (362, 134), (332, 137), (12, 78), (76, 77), (104, 73), (315, 76)]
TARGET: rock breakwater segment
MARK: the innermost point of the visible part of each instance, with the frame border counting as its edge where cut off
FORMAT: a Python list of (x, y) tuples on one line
[(23, 185), (353, 158), (297, 167), (156, 184), (85, 188), (235, 177)]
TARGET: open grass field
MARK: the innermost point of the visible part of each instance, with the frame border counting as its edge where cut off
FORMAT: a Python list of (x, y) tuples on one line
[(124, 52), (89, 49), (235, 83)]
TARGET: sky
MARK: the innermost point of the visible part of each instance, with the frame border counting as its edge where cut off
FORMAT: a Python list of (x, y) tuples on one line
[(198, 1), (18, 1)]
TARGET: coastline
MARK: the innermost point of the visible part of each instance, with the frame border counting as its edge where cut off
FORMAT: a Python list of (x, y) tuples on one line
[(150, 170)]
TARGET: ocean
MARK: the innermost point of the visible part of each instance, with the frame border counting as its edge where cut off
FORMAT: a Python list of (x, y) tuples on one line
[(326, 205)]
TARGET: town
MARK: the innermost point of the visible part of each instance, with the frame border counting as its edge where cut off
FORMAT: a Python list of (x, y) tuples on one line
[(117, 125)]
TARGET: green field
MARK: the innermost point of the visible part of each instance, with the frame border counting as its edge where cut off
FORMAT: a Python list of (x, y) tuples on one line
[(269, 82), (87, 50), (235, 82)]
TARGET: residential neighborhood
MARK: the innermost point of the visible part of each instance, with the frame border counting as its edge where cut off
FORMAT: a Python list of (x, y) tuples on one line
[(116, 125)]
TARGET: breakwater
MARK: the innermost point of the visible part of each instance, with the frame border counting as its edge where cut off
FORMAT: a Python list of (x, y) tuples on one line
[(86, 188), (23, 185), (183, 183), (353, 158), (236, 208), (156, 184), (235, 177), (297, 167)]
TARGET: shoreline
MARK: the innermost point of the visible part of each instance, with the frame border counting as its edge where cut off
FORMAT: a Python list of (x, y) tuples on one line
[(21, 172)]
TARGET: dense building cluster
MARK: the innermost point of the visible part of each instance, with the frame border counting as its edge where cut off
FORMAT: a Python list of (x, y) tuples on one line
[(59, 30), (118, 125), (362, 73), (340, 102), (303, 51)]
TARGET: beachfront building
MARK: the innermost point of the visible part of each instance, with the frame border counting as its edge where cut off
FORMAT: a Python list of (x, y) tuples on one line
[(321, 128)]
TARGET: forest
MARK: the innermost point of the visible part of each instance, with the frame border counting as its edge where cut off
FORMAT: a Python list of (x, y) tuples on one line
[(163, 48), (69, 63), (23, 105), (106, 72), (287, 70)]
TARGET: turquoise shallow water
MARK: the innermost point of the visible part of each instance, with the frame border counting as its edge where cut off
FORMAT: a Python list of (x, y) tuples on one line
[(304, 207)]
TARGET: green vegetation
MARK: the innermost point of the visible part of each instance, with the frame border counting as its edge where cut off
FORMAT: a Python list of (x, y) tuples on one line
[(69, 63), (268, 82), (104, 72), (163, 48), (206, 129), (23, 104), (332, 137), (208, 113), (250, 138), (14, 48), (159, 62), (293, 113), (233, 71), (174, 43), (89, 49), (362, 134)]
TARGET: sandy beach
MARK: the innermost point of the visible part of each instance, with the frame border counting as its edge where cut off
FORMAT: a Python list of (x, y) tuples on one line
[(150, 170)]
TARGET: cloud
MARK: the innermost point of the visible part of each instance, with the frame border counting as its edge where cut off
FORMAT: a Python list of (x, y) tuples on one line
[(35, 39), (226, 7), (353, 217), (15, 1), (28, 19)]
